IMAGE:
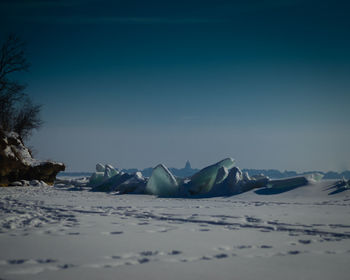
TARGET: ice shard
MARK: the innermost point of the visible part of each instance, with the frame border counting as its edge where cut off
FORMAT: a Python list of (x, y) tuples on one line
[(100, 167), (135, 184), (234, 176), (112, 183), (289, 183), (203, 181), (239, 182), (103, 173), (96, 179), (109, 171), (260, 181), (221, 175), (234, 179), (162, 182), (246, 177), (315, 176)]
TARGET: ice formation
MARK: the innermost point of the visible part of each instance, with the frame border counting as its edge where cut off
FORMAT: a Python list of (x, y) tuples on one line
[(236, 182), (203, 181), (135, 184), (108, 179), (100, 167), (221, 175), (103, 173), (109, 171), (219, 179), (96, 179), (314, 176), (285, 184), (233, 178), (162, 182)]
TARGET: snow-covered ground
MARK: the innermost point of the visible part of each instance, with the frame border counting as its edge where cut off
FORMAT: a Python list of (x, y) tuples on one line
[(67, 232)]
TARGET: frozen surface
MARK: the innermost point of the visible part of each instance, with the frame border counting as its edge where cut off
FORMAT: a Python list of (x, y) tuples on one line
[(67, 232)]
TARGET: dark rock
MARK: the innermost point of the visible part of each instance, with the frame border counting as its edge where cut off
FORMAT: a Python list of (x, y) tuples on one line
[(17, 163)]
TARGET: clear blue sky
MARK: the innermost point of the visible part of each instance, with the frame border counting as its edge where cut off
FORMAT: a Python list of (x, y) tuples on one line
[(136, 83)]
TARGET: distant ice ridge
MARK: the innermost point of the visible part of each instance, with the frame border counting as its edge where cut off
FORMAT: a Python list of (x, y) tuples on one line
[(220, 179), (108, 179)]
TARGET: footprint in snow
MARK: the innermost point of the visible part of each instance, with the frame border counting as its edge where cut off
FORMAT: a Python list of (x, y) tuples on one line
[(112, 233), (243, 247), (265, 247), (149, 253), (304, 241), (65, 266), (174, 252), (17, 261), (221, 256), (43, 261), (252, 220), (295, 252), (143, 260)]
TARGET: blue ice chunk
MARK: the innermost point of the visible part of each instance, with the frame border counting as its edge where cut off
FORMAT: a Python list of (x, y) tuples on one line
[(203, 181), (110, 172), (162, 182), (96, 179), (100, 167), (221, 175)]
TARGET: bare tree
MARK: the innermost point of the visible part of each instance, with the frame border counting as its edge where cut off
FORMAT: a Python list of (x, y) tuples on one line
[(17, 112)]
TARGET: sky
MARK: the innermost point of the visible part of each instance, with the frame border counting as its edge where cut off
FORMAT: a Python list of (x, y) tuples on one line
[(137, 83)]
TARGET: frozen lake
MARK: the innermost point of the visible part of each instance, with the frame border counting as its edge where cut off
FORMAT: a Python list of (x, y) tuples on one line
[(71, 233)]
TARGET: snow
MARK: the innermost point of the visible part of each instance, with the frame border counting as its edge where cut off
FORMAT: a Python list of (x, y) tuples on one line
[(32, 183), (19, 151), (8, 152), (68, 232)]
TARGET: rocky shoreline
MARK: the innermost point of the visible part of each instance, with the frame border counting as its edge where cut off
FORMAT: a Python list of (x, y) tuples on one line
[(17, 163)]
